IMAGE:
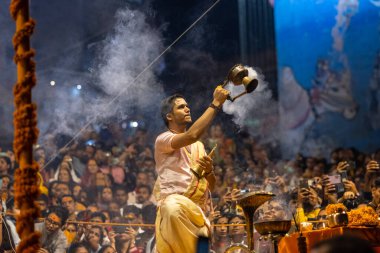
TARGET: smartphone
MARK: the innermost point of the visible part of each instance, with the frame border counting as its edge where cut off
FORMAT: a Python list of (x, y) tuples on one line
[(215, 201), (304, 183), (335, 179), (119, 229), (351, 165), (343, 175), (1, 183)]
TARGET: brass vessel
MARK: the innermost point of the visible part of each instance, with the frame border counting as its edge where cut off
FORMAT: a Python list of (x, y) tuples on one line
[(274, 227), (337, 220), (238, 75), (249, 202), (273, 230)]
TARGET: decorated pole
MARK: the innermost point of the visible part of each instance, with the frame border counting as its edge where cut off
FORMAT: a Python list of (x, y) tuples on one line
[(25, 129)]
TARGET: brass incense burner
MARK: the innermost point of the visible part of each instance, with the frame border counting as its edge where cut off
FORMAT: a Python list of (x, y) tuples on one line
[(273, 230), (249, 202), (238, 75), (273, 227)]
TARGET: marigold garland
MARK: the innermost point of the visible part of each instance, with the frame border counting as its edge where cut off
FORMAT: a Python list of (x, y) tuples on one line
[(335, 208), (25, 131), (363, 216)]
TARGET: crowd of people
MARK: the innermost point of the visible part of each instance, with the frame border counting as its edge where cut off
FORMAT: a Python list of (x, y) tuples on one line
[(97, 194)]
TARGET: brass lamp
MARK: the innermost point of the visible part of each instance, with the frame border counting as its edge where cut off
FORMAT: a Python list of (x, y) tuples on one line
[(238, 75)]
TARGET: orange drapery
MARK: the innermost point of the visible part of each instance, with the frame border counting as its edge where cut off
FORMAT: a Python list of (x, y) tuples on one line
[(289, 244)]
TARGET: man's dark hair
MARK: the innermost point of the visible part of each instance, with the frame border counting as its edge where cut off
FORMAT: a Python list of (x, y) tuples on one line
[(60, 212), (84, 215), (99, 214), (132, 209), (346, 244), (376, 183), (44, 198), (66, 195), (146, 187), (234, 215), (118, 187), (167, 106), (101, 235), (104, 248), (6, 159), (76, 245)]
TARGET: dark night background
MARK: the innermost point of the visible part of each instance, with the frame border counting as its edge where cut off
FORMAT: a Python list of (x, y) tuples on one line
[(69, 33)]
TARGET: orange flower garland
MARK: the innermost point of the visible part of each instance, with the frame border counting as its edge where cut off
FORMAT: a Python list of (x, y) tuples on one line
[(335, 208), (363, 216), (25, 128)]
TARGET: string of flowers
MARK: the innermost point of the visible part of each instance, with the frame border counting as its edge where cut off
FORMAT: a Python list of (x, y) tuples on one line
[(25, 129)]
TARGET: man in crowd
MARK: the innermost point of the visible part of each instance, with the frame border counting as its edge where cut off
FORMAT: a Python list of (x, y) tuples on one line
[(375, 202), (68, 202), (121, 197), (143, 195), (94, 239), (182, 192), (5, 164), (237, 233)]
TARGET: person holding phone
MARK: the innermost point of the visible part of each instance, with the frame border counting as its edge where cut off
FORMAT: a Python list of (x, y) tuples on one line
[(308, 203), (375, 191), (372, 173), (185, 175)]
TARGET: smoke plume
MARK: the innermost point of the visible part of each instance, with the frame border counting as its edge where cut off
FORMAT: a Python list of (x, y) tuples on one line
[(256, 111)]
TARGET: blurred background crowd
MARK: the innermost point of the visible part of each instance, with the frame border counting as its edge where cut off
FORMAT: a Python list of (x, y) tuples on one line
[(107, 177)]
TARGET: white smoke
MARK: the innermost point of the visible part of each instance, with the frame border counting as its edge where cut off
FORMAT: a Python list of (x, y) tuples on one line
[(256, 111), (124, 54)]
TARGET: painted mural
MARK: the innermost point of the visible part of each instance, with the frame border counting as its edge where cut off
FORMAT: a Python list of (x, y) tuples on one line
[(329, 74)]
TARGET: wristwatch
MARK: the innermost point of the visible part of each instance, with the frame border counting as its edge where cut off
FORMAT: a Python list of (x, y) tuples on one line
[(214, 107)]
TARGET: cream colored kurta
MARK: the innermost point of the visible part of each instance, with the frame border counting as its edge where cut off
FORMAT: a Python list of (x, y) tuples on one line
[(180, 197)]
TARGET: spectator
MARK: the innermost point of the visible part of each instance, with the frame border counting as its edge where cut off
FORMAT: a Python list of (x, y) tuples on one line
[(141, 179), (107, 249), (121, 197), (221, 238), (9, 238), (143, 196), (5, 164), (78, 247), (105, 197), (94, 239), (66, 173), (69, 203), (89, 177), (52, 239), (375, 202), (308, 205), (146, 239), (237, 233), (43, 203), (70, 232)]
